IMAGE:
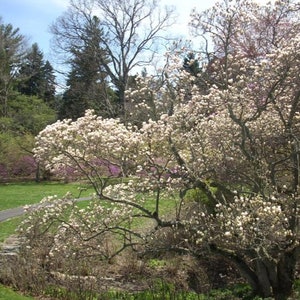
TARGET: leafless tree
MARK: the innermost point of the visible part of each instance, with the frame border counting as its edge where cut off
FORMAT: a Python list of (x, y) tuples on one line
[(131, 32)]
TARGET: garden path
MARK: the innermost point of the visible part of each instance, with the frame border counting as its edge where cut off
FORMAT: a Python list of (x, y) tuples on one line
[(18, 211)]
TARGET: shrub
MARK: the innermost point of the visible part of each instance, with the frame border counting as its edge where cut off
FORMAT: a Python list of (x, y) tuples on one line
[(24, 166)]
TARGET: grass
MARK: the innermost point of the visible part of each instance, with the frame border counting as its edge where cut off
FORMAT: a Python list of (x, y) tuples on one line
[(19, 194), (8, 228), (9, 294), (164, 292), (13, 195)]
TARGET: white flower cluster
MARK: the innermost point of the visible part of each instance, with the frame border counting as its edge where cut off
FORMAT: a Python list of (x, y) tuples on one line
[(247, 224), (239, 127)]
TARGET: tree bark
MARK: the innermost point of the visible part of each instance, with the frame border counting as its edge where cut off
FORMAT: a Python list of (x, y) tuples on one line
[(286, 274), (267, 278)]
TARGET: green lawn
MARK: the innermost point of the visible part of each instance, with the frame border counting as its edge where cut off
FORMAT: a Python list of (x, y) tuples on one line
[(13, 195), (19, 194)]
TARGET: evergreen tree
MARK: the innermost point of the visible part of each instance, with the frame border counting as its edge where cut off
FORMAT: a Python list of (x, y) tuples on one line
[(30, 72), (49, 84), (191, 64), (132, 32), (36, 76), (201, 70), (87, 81), (11, 54)]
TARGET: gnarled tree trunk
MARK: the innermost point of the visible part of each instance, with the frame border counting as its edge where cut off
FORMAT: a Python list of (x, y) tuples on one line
[(266, 277)]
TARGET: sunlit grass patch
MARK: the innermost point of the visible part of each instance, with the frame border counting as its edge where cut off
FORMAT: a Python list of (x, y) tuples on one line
[(19, 194)]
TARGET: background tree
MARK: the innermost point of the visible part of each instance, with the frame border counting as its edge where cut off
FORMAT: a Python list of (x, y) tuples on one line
[(30, 115), (31, 72), (241, 29), (49, 85), (87, 83), (22, 115), (191, 64), (130, 31), (26, 117), (11, 55), (36, 77)]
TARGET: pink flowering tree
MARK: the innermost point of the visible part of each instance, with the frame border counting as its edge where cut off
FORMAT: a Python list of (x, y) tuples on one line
[(236, 143)]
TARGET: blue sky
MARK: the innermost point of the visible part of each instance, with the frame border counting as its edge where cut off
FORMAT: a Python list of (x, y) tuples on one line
[(33, 17)]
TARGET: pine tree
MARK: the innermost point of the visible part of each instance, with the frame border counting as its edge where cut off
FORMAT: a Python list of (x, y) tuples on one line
[(191, 64), (87, 81), (49, 84), (11, 54), (36, 77)]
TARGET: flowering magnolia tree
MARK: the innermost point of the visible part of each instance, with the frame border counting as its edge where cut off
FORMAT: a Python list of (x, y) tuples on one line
[(236, 144)]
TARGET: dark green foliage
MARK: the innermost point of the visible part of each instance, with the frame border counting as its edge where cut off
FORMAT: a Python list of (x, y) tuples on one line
[(36, 77), (49, 84), (87, 81), (30, 114), (11, 53), (26, 116), (30, 73), (191, 64)]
